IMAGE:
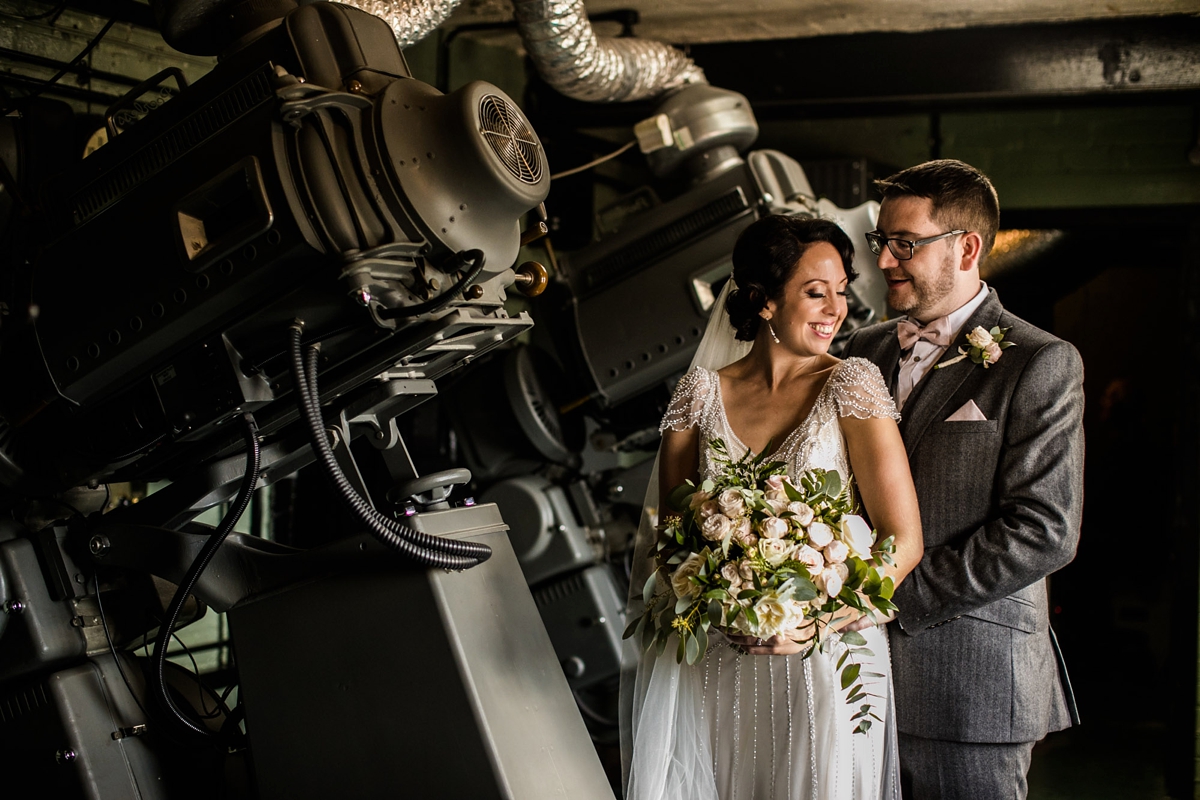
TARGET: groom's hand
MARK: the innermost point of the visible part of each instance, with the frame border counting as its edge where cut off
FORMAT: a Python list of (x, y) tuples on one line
[(862, 621)]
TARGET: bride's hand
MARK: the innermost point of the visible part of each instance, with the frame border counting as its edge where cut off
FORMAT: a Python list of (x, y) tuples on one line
[(775, 645), (862, 621)]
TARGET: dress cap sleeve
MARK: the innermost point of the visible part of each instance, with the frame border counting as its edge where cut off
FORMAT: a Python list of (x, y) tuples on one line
[(689, 401), (859, 391)]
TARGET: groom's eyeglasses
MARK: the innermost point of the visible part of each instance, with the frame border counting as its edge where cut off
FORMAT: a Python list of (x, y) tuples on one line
[(902, 249)]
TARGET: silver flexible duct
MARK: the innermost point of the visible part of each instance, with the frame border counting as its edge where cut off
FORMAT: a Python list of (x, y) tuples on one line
[(411, 20), (570, 57)]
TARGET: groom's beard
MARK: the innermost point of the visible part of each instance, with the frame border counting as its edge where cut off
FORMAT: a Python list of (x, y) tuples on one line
[(925, 290)]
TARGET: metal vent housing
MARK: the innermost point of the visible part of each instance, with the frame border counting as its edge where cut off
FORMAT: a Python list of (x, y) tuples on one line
[(510, 137)]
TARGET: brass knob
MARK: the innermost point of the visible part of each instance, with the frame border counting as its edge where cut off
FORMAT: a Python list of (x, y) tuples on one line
[(535, 232), (531, 279)]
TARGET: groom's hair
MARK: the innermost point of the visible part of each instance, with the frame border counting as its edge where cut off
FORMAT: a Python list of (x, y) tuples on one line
[(765, 257), (961, 195)]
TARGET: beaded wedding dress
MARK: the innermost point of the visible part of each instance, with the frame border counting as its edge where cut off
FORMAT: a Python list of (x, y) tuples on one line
[(754, 727)]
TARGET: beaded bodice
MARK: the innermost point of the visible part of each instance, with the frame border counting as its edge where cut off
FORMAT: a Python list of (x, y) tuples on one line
[(854, 389)]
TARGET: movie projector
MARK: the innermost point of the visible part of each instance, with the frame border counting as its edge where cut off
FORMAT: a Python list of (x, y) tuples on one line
[(306, 210)]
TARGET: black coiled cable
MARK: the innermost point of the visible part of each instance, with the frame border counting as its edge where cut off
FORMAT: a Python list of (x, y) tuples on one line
[(427, 550), (159, 659), (472, 258)]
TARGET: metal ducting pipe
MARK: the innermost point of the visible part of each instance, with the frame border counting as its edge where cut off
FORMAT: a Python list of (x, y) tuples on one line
[(560, 40), (570, 57), (410, 20)]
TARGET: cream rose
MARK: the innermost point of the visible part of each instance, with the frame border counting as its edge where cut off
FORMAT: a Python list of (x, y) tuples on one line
[(746, 570), (991, 353), (680, 579), (775, 551), (775, 496), (699, 498), (830, 581), (776, 616), (743, 534), (731, 573), (708, 508), (857, 535), (980, 338), (775, 483), (836, 551), (774, 528), (801, 512), (810, 558), (820, 534), (731, 502), (715, 528)]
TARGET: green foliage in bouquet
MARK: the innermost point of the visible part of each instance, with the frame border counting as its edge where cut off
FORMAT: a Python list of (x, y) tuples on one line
[(756, 554)]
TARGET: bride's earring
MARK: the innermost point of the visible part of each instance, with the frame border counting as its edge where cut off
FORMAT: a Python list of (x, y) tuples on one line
[(772, 331)]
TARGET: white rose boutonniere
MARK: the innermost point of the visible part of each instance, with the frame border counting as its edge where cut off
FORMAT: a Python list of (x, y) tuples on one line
[(985, 347)]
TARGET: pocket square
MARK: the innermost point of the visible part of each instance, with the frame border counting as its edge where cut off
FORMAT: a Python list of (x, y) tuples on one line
[(968, 413)]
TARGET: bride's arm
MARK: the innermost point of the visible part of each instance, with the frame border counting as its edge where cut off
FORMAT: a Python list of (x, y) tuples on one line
[(679, 460), (880, 465)]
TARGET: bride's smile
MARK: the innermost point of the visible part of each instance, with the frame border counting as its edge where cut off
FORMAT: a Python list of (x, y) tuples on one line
[(812, 305)]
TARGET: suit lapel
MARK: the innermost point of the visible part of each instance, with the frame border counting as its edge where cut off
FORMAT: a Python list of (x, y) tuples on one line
[(938, 385)]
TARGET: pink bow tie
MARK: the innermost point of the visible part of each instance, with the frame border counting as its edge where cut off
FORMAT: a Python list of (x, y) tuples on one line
[(937, 332)]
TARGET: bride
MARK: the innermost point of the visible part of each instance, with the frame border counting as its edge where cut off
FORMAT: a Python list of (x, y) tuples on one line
[(752, 719)]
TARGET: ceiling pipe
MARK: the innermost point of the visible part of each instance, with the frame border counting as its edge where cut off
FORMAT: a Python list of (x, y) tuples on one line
[(563, 46)]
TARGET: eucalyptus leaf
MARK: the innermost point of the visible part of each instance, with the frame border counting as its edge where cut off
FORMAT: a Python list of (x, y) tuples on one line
[(693, 649), (751, 616), (648, 589), (850, 675), (863, 726), (634, 627), (702, 640), (853, 638), (680, 497), (682, 604), (681, 650), (649, 633), (661, 640), (804, 590), (714, 612), (833, 483)]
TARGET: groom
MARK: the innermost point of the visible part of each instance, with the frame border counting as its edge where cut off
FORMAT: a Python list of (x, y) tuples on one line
[(996, 450)]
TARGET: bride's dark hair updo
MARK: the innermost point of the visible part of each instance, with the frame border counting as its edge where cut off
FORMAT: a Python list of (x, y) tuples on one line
[(765, 257)]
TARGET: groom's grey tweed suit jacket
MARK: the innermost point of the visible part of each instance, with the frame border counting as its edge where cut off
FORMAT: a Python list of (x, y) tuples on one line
[(973, 656)]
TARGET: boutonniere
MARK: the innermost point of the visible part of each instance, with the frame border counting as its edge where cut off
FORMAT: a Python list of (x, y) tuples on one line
[(986, 347)]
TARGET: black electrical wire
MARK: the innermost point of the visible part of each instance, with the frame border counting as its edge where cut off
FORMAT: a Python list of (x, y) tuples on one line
[(427, 550), (113, 649), (473, 258), (75, 61), (472, 550), (158, 678)]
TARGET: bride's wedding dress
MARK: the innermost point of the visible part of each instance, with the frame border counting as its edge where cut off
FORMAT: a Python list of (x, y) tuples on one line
[(744, 727)]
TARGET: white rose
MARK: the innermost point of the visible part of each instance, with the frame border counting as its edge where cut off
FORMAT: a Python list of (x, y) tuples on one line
[(777, 506), (979, 338), (830, 581), (810, 558), (731, 502), (708, 508), (820, 534), (715, 528), (699, 498), (680, 578), (774, 527), (857, 535), (775, 483), (775, 615), (836, 551), (775, 551), (801, 512)]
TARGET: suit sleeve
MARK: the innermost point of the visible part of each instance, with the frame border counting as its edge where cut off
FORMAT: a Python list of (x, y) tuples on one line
[(1033, 529)]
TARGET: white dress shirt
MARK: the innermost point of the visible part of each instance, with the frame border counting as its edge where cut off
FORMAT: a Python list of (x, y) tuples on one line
[(924, 354)]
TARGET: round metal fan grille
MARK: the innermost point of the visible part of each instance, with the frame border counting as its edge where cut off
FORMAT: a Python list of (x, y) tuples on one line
[(511, 138)]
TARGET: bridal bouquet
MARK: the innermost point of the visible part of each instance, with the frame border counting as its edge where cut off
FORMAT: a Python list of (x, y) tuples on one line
[(757, 554)]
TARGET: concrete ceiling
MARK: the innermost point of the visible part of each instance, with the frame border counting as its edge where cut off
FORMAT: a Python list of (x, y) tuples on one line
[(696, 21)]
